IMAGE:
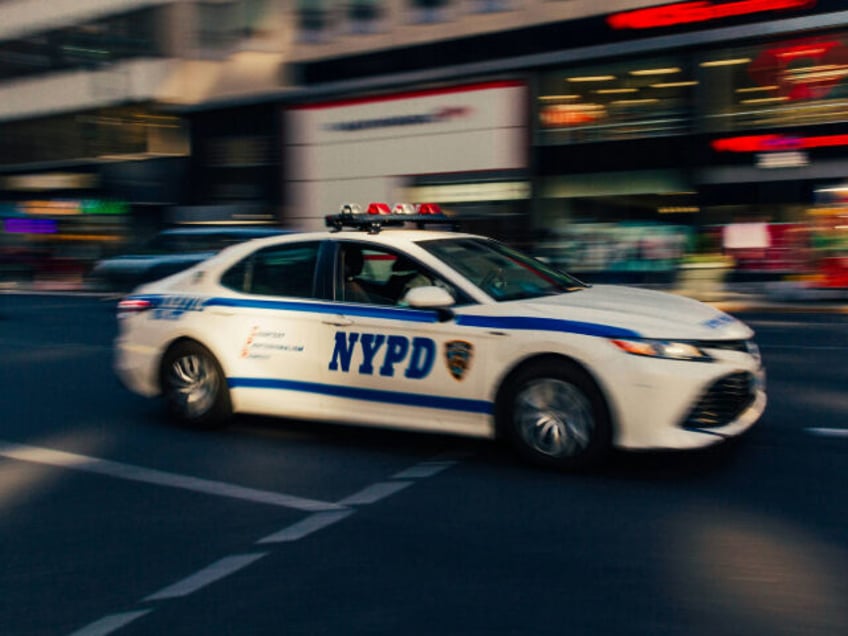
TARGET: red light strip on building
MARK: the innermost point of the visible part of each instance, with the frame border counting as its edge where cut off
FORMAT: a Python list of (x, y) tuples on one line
[(699, 11), (777, 143)]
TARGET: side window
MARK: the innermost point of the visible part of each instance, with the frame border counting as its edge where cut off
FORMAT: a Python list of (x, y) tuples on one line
[(382, 277), (281, 270)]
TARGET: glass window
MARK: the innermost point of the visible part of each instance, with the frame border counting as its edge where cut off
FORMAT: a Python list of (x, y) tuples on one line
[(282, 270), (637, 98), (87, 45), (500, 271), (428, 11), (383, 277), (364, 15), (314, 20), (792, 82)]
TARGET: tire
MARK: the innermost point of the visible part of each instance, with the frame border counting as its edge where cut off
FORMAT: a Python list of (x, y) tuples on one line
[(554, 416), (194, 386)]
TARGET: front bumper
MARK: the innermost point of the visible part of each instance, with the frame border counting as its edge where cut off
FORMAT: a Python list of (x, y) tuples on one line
[(680, 405)]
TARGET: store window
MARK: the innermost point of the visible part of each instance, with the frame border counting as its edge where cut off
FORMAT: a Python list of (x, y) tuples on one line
[(314, 19), (492, 6), (222, 25), (793, 82), (428, 11), (83, 46), (365, 16), (639, 98)]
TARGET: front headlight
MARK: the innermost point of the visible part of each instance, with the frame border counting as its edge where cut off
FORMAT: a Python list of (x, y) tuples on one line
[(667, 349)]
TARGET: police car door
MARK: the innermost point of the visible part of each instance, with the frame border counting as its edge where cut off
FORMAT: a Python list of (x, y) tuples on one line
[(273, 330), (395, 365)]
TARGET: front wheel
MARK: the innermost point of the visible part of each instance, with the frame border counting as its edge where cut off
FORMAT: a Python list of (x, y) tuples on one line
[(194, 386), (554, 415)]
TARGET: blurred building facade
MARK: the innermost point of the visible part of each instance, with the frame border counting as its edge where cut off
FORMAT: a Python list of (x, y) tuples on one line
[(610, 135)]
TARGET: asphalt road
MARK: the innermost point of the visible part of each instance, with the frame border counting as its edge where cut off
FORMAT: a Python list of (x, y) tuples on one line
[(112, 521)]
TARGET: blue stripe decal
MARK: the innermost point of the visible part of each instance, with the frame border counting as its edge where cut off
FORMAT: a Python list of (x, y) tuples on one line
[(371, 395), (403, 314), (362, 311), (545, 324)]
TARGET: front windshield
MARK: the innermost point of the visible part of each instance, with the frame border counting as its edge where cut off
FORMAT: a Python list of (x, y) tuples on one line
[(500, 271)]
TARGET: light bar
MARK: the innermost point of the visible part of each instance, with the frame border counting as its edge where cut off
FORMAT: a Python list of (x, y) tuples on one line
[(375, 218)]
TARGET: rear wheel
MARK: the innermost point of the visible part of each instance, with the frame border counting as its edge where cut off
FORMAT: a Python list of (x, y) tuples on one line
[(554, 415), (194, 386)]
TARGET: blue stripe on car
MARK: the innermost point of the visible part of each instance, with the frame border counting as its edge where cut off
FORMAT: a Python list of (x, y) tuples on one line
[(364, 311), (371, 395), (403, 314), (545, 324)]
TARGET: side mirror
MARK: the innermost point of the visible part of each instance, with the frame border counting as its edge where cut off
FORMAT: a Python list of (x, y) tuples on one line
[(429, 297)]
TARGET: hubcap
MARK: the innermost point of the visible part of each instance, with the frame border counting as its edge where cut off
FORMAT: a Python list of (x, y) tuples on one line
[(193, 384), (554, 418)]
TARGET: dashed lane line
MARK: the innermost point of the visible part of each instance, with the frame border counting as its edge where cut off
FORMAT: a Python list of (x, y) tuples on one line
[(294, 532), (828, 432), (374, 493), (210, 574), (305, 527), (109, 624), (424, 469), (130, 472)]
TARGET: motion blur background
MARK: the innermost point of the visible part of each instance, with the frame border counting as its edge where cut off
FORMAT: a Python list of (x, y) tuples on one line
[(692, 146)]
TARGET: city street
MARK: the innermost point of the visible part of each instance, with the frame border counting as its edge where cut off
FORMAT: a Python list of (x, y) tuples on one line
[(114, 521)]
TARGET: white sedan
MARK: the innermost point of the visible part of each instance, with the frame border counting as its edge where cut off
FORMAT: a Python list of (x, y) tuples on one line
[(435, 330)]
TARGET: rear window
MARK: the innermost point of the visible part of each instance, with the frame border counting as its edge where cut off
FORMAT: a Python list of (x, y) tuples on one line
[(281, 270)]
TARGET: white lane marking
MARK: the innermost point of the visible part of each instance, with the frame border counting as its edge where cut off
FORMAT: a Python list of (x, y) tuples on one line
[(828, 432), (206, 576), (810, 347), (374, 493), (424, 469), (109, 624), (305, 527), (137, 473)]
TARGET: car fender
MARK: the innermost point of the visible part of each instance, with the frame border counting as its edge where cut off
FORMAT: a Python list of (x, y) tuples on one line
[(586, 352)]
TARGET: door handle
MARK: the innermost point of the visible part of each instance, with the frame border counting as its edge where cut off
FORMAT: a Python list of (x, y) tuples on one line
[(338, 321)]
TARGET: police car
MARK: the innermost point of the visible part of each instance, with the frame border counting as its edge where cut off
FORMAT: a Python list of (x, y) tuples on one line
[(430, 329)]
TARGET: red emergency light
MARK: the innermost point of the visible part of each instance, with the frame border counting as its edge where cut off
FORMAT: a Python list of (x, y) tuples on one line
[(698, 11), (378, 208)]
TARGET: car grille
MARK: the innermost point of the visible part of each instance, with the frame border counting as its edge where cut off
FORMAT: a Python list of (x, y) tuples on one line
[(723, 402), (725, 345)]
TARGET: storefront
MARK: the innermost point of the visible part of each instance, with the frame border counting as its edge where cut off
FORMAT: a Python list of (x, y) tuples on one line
[(465, 147), (729, 127)]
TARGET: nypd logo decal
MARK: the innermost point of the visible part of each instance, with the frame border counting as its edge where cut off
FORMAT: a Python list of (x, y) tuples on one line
[(458, 354)]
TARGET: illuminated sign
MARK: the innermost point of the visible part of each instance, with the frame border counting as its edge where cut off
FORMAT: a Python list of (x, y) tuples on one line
[(562, 115), (73, 207), (699, 11), (777, 143), (50, 181), (434, 116), (802, 70), (29, 226), (791, 159)]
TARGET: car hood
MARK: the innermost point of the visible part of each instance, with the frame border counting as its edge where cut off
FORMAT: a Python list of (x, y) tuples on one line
[(618, 311)]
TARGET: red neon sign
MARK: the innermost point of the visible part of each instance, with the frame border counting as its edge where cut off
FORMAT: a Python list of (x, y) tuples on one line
[(776, 143), (774, 65), (698, 11)]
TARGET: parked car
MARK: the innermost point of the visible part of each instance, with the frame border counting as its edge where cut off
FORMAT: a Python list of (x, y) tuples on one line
[(169, 252)]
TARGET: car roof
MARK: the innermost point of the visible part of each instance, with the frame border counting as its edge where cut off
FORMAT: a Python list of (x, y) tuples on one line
[(385, 237), (263, 230)]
